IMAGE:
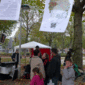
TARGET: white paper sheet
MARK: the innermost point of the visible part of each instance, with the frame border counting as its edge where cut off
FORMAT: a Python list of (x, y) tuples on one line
[(10, 9), (56, 19)]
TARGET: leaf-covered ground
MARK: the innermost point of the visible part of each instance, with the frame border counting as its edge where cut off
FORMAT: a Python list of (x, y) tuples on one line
[(27, 81)]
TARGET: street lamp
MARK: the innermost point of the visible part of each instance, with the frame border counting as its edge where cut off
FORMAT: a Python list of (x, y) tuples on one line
[(23, 7)]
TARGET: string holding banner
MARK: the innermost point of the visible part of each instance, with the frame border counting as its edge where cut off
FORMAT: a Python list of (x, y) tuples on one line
[(56, 15)]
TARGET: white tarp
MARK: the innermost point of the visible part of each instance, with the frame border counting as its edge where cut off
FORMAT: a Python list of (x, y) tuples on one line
[(56, 15), (10, 9), (32, 44)]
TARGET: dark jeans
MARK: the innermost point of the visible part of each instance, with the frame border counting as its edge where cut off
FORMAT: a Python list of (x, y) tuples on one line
[(46, 81), (16, 64), (55, 80)]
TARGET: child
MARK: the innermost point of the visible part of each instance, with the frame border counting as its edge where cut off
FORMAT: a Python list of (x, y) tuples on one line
[(68, 73), (37, 78)]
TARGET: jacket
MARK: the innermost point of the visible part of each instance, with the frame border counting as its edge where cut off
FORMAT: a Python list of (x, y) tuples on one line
[(53, 69), (68, 76), (37, 81), (46, 63), (16, 56), (37, 62)]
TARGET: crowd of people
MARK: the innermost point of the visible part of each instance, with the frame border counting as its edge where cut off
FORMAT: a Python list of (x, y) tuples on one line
[(42, 70)]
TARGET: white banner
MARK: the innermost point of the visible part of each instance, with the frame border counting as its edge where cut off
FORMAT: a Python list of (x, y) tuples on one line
[(56, 15), (10, 9)]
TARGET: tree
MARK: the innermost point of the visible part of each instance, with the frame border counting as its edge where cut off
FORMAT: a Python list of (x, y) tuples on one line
[(83, 37), (78, 10), (5, 44), (31, 17), (7, 26), (70, 30), (51, 39), (23, 38)]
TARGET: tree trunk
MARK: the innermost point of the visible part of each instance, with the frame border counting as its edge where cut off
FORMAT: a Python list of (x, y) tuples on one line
[(77, 44), (71, 40), (26, 36), (50, 42)]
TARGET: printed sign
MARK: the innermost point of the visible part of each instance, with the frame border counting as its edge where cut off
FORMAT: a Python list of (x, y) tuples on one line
[(56, 15), (10, 9)]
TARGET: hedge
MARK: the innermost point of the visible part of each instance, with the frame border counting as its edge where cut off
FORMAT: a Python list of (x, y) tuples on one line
[(5, 54)]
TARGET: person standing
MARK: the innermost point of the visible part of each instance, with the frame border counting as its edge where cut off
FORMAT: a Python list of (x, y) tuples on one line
[(37, 62), (37, 78), (37, 48), (68, 55), (53, 70), (45, 59), (15, 57), (68, 73)]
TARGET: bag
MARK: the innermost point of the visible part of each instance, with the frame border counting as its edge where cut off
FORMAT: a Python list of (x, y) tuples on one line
[(27, 68), (26, 76), (50, 83)]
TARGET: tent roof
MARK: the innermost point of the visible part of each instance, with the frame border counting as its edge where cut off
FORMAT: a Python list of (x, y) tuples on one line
[(32, 44)]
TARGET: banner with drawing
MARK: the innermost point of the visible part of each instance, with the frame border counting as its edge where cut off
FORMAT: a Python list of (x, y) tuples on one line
[(56, 15)]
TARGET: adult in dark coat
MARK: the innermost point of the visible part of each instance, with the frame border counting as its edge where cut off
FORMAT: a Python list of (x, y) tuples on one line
[(53, 70), (68, 55), (45, 59), (15, 57)]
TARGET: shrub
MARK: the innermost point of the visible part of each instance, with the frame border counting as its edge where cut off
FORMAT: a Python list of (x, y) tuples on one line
[(5, 54), (27, 53), (22, 53)]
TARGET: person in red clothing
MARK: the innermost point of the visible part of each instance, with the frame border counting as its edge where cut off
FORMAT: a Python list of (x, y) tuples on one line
[(37, 78), (45, 59)]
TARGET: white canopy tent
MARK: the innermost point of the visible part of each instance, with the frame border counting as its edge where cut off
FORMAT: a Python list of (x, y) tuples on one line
[(32, 44)]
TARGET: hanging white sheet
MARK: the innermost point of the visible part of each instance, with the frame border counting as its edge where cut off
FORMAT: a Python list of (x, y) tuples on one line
[(56, 15), (10, 9)]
